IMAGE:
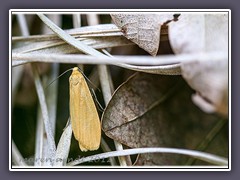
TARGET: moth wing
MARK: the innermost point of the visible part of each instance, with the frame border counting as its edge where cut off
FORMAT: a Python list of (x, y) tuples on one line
[(90, 130), (84, 116)]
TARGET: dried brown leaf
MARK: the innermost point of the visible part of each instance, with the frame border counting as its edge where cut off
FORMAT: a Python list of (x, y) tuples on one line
[(142, 29), (156, 111)]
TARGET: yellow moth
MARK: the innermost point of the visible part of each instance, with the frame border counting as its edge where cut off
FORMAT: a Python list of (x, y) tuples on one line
[(84, 117)]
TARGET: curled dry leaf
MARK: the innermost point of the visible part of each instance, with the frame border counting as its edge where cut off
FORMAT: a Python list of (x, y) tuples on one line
[(210, 79), (157, 111), (204, 33), (142, 29), (196, 33)]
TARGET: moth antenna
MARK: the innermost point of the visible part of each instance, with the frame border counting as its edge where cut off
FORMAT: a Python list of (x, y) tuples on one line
[(98, 103), (58, 77), (89, 80)]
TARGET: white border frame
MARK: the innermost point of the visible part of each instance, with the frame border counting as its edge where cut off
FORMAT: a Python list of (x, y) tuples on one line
[(119, 168)]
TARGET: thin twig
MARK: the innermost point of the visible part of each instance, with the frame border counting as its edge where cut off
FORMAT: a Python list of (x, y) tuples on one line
[(77, 24), (39, 138), (52, 93), (76, 20), (106, 148), (105, 81), (43, 105), (61, 47), (107, 89), (16, 156), (106, 84), (171, 69), (213, 159), (41, 144), (136, 60), (69, 39), (17, 72), (105, 73), (16, 76), (23, 25), (102, 30)]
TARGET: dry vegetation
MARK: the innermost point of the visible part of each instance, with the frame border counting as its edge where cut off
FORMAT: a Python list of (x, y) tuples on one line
[(162, 80)]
